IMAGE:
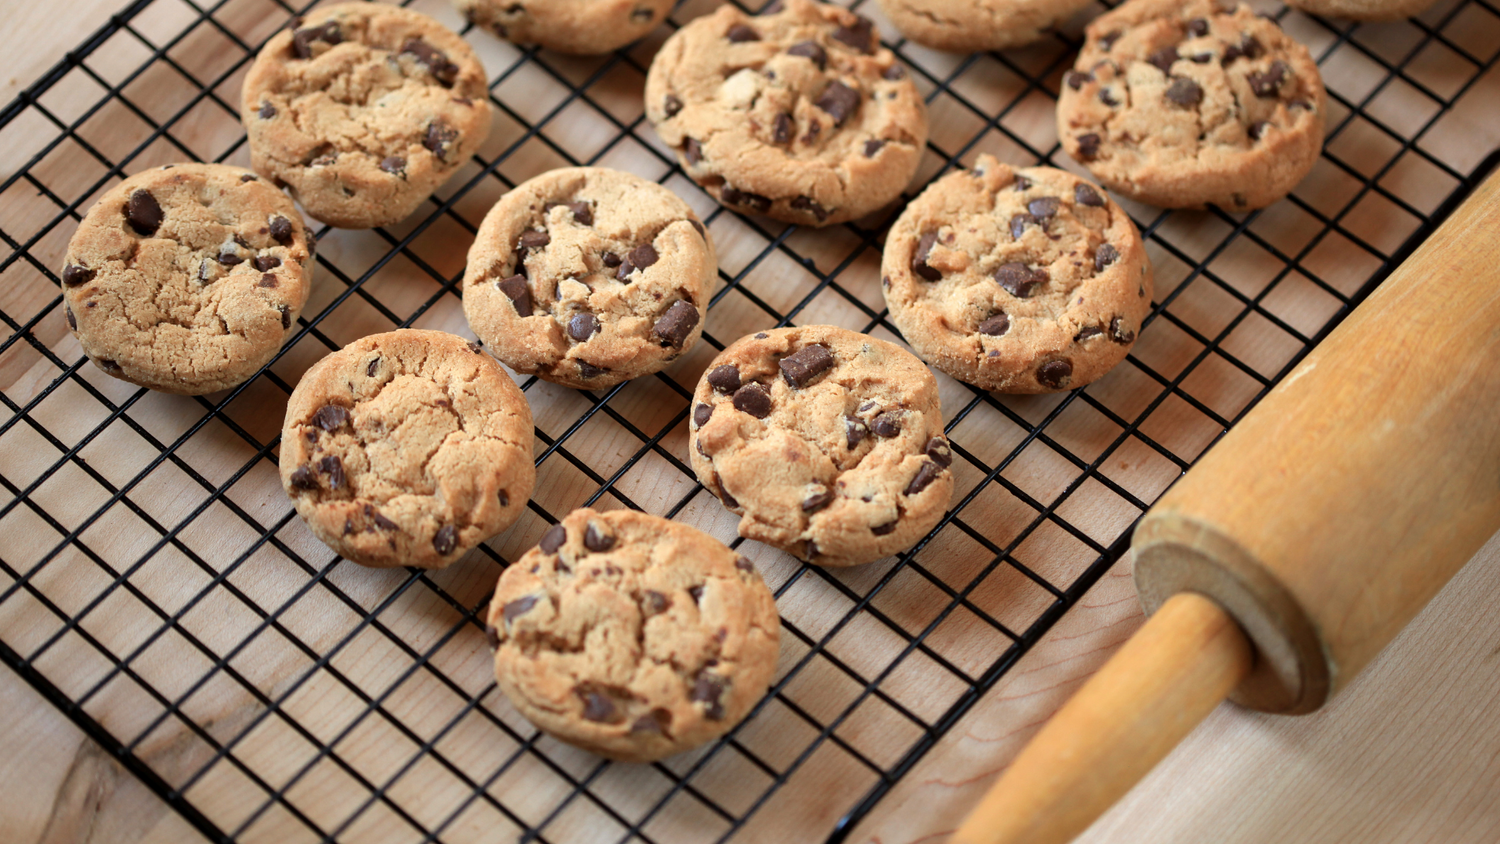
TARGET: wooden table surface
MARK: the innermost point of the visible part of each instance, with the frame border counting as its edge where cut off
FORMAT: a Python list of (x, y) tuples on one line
[(1411, 752)]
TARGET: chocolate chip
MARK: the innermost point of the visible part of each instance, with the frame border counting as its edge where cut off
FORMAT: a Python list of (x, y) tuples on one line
[(395, 165), (597, 540), (286, 317), (1018, 224), (840, 101), (1268, 85), (1022, 184), (1088, 146), (281, 230), (1054, 374), (676, 325), (692, 151), (1018, 279), (939, 451), (811, 51), (74, 275), (886, 425), (926, 474), (995, 326), (725, 378), (302, 39), (698, 227), (729, 502), (597, 707), (582, 326), (739, 33), (331, 417), (68, 315), (436, 61), (1197, 27), (801, 368), (1163, 58), (1119, 333), (588, 370), (873, 146), (372, 368), (1201, 58), (553, 539), (817, 501), (1076, 80), (708, 690), (883, 530), (228, 257), (1108, 39), (517, 608), (743, 564), (610, 259), (894, 72), (1044, 208), (333, 467), (267, 111), (855, 430), (380, 520), (1105, 255), (445, 540), (1184, 92), (531, 240), (516, 289), (267, 280), (753, 399), (696, 593), (1108, 97), (266, 263), (1086, 195), (811, 551), (492, 636), (639, 258), (143, 213), (753, 201), (702, 413), (302, 478), (860, 36), (919, 258), (583, 213), (658, 721), (811, 206), (1088, 332), (783, 130), (671, 105), (1251, 47), (654, 603), (1257, 129), (439, 136)]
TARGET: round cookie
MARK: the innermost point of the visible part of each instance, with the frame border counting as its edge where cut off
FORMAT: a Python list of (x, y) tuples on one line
[(969, 26), (800, 115), (1181, 104), (1021, 281), (362, 110), (633, 636), (407, 449), (827, 443), (582, 27), (187, 278), (1363, 10), (588, 277)]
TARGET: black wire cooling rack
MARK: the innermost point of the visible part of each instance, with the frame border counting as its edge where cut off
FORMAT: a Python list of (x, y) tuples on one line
[(157, 588)]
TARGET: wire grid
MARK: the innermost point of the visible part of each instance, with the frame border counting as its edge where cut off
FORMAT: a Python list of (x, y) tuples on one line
[(160, 591)]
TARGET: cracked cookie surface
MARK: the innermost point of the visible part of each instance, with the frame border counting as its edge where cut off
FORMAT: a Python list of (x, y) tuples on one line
[(968, 26), (588, 277), (1182, 104), (633, 636), (362, 110), (407, 449), (581, 27), (800, 115), (1021, 281), (187, 278), (827, 443)]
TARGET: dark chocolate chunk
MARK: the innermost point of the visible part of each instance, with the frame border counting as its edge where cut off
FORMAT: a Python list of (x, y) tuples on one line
[(729, 500), (1022, 184), (1044, 208), (698, 227), (839, 101), (1054, 374), (1088, 146), (597, 707), (894, 72), (811, 51), (654, 603), (395, 165), (266, 263), (658, 721), (597, 540), (811, 206), (610, 260), (753, 399), (588, 370), (286, 316), (517, 608), (696, 593), (302, 478), (886, 425), (692, 151), (68, 315), (1119, 333), (1108, 39), (708, 689), (267, 280), (445, 540), (516, 289), (1257, 129), (1088, 332), (582, 326), (74, 275), (1197, 27), (302, 39), (739, 33), (228, 257), (855, 430), (940, 452), (926, 474), (1268, 85), (743, 563), (331, 417), (1184, 92), (725, 379), (281, 230), (1018, 279), (372, 368), (1108, 97), (783, 130), (1164, 58), (1086, 195), (1105, 255), (583, 213), (860, 36), (885, 529), (676, 325), (553, 539), (801, 368), (380, 520), (919, 258), (267, 111), (753, 201), (439, 136), (1201, 58), (817, 501), (671, 105), (1251, 47), (492, 636), (873, 147), (436, 61), (1018, 224), (639, 258), (143, 213), (702, 413), (1076, 80), (333, 467), (995, 326)]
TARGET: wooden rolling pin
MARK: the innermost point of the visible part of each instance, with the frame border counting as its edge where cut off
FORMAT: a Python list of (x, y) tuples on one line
[(1298, 547)]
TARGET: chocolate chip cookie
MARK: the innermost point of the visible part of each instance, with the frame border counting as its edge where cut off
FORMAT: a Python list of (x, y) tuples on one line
[(968, 26), (587, 277), (1021, 281), (186, 278), (800, 115), (362, 110), (1182, 104), (583, 27), (407, 449), (633, 636), (827, 443), (1363, 10)]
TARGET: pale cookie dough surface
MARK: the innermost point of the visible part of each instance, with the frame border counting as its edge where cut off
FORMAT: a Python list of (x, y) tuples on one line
[(1182, 104), (827, 443), (407, 449), (186, 278), (582, 27), (588, 277), (363, 109), (1021, 281), (1363, 10), (633, 636), (800, 115), (968, 26)]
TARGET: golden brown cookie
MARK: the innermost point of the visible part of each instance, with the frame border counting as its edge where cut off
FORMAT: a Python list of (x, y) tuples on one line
[(800, 114), (968, 26), (587, 277), (583, 27), (1022, 281), (1363, 10), (186, 278), (363, 109), (633, 636), (407, 449), (1182, 104), (827, 443)]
